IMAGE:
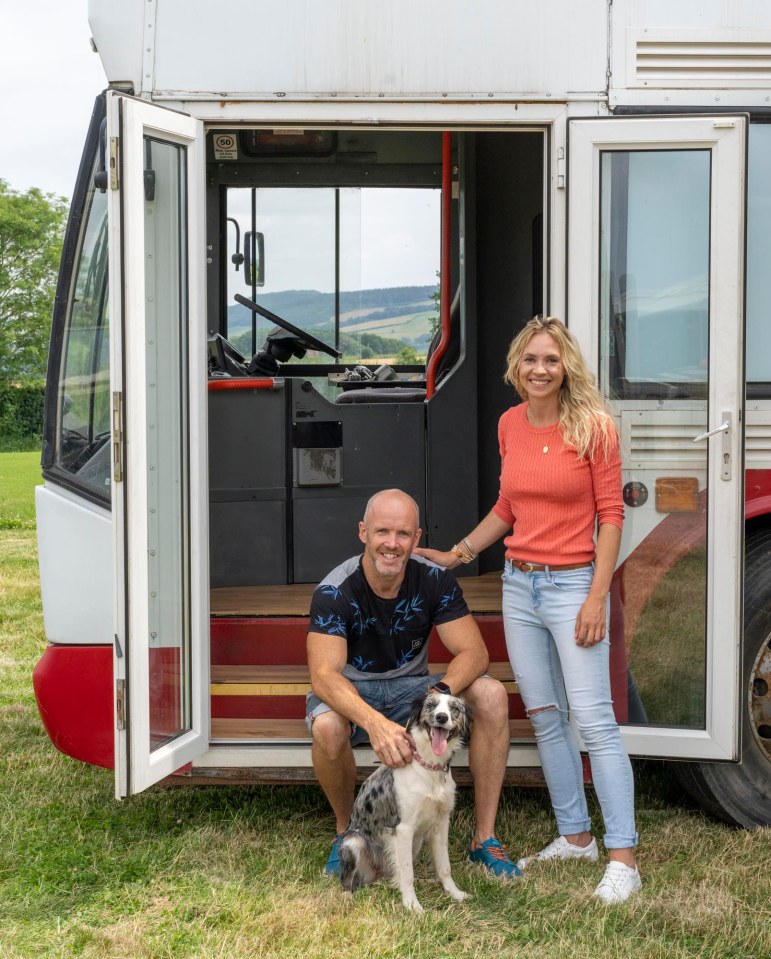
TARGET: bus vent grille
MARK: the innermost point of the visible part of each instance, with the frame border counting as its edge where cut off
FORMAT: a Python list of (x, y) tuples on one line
[(663, 440), (703, 63), (758, 438)]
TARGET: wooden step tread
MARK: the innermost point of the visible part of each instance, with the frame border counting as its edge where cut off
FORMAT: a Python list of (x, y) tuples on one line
[(285, 689), (482, 594), (299, 673), (226, 729)]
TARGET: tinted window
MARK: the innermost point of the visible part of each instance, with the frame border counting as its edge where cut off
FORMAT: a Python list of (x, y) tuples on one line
[(758, 245), (83, 407)]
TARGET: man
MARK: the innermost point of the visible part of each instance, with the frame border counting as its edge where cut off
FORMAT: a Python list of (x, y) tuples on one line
[(368, 658)]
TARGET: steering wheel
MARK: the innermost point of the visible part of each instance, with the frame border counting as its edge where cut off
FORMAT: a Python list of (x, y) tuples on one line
[(310, 342)]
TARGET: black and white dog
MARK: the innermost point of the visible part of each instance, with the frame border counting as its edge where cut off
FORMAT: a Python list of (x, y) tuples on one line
[(398, 808)]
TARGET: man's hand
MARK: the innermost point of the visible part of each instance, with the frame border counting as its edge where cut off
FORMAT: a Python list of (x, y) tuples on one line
[(390, 741)]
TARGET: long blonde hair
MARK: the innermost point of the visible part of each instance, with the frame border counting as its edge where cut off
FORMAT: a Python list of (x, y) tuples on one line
[(585, 421)]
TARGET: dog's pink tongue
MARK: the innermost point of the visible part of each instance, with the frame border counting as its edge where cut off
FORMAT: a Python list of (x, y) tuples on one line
[(438, 740)]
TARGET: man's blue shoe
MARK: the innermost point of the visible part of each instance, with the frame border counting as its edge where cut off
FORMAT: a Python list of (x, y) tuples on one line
[(332, 867), (494, 856)]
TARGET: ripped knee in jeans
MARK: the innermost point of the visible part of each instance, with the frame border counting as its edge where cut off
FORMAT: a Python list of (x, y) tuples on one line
[(540, 709)]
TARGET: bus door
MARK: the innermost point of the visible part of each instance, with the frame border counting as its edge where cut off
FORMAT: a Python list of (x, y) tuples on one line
[(655, 296), (155, 188)]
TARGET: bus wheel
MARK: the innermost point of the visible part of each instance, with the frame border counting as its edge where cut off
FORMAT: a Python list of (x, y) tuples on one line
[(740, 793)]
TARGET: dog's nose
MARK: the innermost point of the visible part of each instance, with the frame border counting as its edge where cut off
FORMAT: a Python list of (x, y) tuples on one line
[(441, 719)]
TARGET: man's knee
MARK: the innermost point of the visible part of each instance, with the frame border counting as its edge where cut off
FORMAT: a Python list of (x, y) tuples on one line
[(331, 734), (488, 700)]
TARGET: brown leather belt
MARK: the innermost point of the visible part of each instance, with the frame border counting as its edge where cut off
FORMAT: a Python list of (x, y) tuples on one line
[(535, 568)]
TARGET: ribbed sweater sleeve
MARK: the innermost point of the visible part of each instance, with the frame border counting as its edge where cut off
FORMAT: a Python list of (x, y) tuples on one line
[(553, 500)]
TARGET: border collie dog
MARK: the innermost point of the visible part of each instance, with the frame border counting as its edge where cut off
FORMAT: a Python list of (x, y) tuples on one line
[(398, 808)]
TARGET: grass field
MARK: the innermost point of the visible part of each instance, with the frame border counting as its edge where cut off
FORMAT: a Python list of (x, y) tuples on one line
[(234, 872), (19, 474)]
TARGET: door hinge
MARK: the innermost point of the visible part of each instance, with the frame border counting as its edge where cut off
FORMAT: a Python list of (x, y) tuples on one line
[(560, 168), (120, 703), (114, 163), (117, 437)]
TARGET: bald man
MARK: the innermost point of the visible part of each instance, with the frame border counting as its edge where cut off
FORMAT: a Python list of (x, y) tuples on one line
[(368, 657)]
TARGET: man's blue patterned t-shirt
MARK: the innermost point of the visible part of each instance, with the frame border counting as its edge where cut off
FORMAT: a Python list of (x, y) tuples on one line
[(386, 637)]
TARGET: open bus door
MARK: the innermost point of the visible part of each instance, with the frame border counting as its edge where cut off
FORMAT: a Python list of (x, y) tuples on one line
[(655, 296), (155, 187)]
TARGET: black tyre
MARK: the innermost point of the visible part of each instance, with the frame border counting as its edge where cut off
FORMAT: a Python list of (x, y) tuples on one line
[(740, 793)]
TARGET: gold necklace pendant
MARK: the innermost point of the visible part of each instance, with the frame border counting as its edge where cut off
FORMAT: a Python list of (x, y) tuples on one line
[(548, 438)]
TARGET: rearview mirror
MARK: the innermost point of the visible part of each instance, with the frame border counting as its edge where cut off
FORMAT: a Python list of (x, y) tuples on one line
[(254, 258)]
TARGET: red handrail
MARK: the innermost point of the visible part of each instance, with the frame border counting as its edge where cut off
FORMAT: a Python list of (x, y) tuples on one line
[(246, 383)]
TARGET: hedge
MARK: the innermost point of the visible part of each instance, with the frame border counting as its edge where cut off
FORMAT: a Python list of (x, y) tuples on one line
[(21, 410)]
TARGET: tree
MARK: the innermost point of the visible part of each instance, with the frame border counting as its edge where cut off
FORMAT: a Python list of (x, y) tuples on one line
[(407, 356), (436, 318), (31, 234)]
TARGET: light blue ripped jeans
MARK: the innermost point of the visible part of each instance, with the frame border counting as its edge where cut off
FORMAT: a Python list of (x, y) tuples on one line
[(539, 614)]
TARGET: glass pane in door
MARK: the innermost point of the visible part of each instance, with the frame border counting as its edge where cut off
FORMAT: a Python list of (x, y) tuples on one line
[(167, 401), (654, 371)]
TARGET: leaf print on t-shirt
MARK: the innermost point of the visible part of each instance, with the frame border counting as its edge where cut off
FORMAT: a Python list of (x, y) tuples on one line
[(405, 657), (359, 621), (331, 624), (405, 611), (447, 598), (358, 663)]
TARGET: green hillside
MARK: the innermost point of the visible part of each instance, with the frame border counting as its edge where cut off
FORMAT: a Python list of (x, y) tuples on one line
[(403, 315)]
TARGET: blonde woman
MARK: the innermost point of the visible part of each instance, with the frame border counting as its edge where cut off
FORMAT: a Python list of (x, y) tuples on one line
[(561, 480)]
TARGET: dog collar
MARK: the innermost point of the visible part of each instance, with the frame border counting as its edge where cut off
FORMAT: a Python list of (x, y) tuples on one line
[(432, 767)]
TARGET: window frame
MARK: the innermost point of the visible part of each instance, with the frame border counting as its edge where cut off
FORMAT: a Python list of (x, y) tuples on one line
[(62, 314)]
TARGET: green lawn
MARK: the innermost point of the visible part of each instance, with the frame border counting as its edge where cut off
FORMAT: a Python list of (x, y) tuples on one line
[(234, 872), (19, 474)]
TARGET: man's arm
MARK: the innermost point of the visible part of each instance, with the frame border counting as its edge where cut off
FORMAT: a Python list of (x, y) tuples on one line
[(464, 641), (326, 661)]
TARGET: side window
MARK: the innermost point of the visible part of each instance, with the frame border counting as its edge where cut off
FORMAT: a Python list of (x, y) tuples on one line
[(758, 274), (82, 445), (655, 258)]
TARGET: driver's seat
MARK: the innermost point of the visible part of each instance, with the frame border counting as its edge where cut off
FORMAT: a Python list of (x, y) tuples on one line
[(407, 394)]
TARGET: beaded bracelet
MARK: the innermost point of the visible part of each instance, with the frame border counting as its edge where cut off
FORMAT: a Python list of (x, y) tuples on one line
[(472, 552), (463, 557)]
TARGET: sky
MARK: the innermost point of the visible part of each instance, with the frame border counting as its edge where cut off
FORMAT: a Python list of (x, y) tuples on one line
[(49, 77)]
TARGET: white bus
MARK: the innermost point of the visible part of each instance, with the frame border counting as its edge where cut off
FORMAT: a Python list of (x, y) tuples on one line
[(301, 241)]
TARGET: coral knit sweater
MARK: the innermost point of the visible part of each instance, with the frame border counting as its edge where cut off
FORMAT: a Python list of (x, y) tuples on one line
[(553, 500)]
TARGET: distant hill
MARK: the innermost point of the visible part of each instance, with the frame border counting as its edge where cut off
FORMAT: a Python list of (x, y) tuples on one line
[(401, 314)]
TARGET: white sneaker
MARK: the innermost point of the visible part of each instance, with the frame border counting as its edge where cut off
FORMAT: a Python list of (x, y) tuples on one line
[(560, 848), (618, 883)]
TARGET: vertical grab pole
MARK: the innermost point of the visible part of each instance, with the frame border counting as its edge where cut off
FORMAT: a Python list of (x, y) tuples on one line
[(444, 278)]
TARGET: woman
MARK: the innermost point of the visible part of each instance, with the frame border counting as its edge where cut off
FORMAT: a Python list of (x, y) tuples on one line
[(560, 478)]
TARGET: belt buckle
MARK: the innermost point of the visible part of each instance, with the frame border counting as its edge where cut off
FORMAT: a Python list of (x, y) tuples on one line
[(528, 568)]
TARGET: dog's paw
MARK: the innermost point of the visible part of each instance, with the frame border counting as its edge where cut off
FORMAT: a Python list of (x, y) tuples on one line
[(411, 903), (457, 894)]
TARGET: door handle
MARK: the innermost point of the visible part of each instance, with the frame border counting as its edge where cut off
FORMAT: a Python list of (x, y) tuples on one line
[(718, 429), (725, 451)]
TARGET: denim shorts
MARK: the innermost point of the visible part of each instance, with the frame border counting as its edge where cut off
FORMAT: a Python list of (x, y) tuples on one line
[(391, 697)]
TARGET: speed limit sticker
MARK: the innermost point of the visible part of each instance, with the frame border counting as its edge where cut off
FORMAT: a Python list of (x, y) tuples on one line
[(225, 146)]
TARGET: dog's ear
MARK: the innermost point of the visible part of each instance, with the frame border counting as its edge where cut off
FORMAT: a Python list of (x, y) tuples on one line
[(415, 710)]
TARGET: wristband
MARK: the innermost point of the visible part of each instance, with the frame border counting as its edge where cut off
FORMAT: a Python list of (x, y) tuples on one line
[(441, 687)]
